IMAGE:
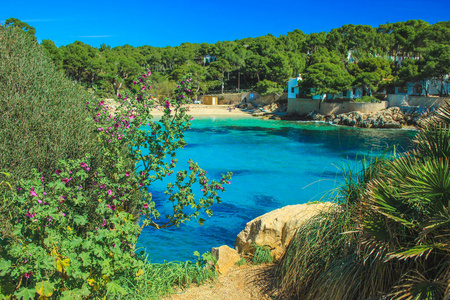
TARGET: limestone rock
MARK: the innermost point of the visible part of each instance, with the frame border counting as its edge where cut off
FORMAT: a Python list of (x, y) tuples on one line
[(226, 258), (276, 228)]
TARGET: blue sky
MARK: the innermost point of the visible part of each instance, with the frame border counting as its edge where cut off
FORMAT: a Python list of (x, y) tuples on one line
[(172, 22)]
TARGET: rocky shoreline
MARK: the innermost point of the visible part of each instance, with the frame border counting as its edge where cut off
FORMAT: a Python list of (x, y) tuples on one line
[(393, 117)]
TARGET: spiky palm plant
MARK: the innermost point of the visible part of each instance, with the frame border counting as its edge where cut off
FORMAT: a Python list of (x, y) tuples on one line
[(405, 215)]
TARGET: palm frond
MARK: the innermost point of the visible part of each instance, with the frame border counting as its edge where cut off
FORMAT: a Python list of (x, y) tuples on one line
[(416, 286), (433, 141), (443, 114)]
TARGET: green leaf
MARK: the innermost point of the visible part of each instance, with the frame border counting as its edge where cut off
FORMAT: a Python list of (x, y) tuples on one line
[(4, 266), (415, 251), (25, 293), (49, 262), (79, 220), (71, 295), (44, 288), (113, 288)]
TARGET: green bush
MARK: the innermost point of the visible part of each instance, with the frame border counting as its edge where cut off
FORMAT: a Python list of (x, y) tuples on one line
[(73, 235), (42, 114), (367, 99), (266, 87)]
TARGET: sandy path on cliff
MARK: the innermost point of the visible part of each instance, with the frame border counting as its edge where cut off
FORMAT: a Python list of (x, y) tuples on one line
[(247, 282)]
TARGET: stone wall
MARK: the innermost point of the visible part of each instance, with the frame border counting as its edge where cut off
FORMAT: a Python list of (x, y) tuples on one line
[(327, 109), (268, 99), (410, 100), (235, 98), (300, 106), (305, 106), (427, 101)]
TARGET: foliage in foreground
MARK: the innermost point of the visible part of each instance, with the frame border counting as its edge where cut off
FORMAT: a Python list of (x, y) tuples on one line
[(42, 114), (390, 240), (71, 230)]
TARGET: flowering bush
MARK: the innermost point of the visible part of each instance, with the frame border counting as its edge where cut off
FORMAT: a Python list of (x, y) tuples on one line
[(74, 236)]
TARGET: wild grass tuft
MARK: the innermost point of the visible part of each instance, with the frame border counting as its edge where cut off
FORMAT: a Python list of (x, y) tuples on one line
[(161, 279), (262, 255)]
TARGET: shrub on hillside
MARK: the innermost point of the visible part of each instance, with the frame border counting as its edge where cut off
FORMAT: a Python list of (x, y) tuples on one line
[(42, 114), (73, 234)]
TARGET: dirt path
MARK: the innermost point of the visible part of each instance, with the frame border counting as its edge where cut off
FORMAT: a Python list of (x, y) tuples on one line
[(241, 283)]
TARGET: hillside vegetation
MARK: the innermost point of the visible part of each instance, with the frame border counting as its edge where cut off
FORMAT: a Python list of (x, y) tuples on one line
[(359, 55)]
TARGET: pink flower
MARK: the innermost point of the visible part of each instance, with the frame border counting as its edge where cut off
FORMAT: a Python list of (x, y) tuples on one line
[(66, 180), (134, 82), (112, 207), (100, 129), (145, 205), (83, 164), (33, 193), (58, 172), (104, 222), (102, 102), (119, 96), (109, 192), (127, 174), (144, 76), (88, 169), (98, 114), (42, 178), (149, 73), (142, 174)]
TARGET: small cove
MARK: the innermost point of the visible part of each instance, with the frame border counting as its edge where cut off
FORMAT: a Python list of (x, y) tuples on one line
[(274, 164)]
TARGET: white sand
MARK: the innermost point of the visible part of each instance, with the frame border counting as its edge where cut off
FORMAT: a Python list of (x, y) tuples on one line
[(209, 110)]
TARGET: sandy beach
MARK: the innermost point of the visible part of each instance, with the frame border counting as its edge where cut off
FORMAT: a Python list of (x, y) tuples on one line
[(209, 110)]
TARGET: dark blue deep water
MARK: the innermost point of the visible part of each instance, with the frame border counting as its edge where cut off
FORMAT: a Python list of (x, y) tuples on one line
[(275, 163)]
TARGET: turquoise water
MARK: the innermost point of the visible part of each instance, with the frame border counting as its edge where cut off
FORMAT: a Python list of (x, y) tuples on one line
[(275, 163)]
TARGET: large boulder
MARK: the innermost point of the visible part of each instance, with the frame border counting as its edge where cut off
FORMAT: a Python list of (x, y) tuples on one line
[(276, 228), (226, 258)]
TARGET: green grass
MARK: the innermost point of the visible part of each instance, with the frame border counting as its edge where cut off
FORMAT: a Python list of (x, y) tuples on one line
[(262, 255), (162, 279)]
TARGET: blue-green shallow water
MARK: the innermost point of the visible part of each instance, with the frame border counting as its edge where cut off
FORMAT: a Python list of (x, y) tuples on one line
[(275, 163)]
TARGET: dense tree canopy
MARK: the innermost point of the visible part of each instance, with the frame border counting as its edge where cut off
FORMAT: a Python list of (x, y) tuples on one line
[(370, 54)]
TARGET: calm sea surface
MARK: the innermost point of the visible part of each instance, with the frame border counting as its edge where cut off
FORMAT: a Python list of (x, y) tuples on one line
[(275, 163)]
